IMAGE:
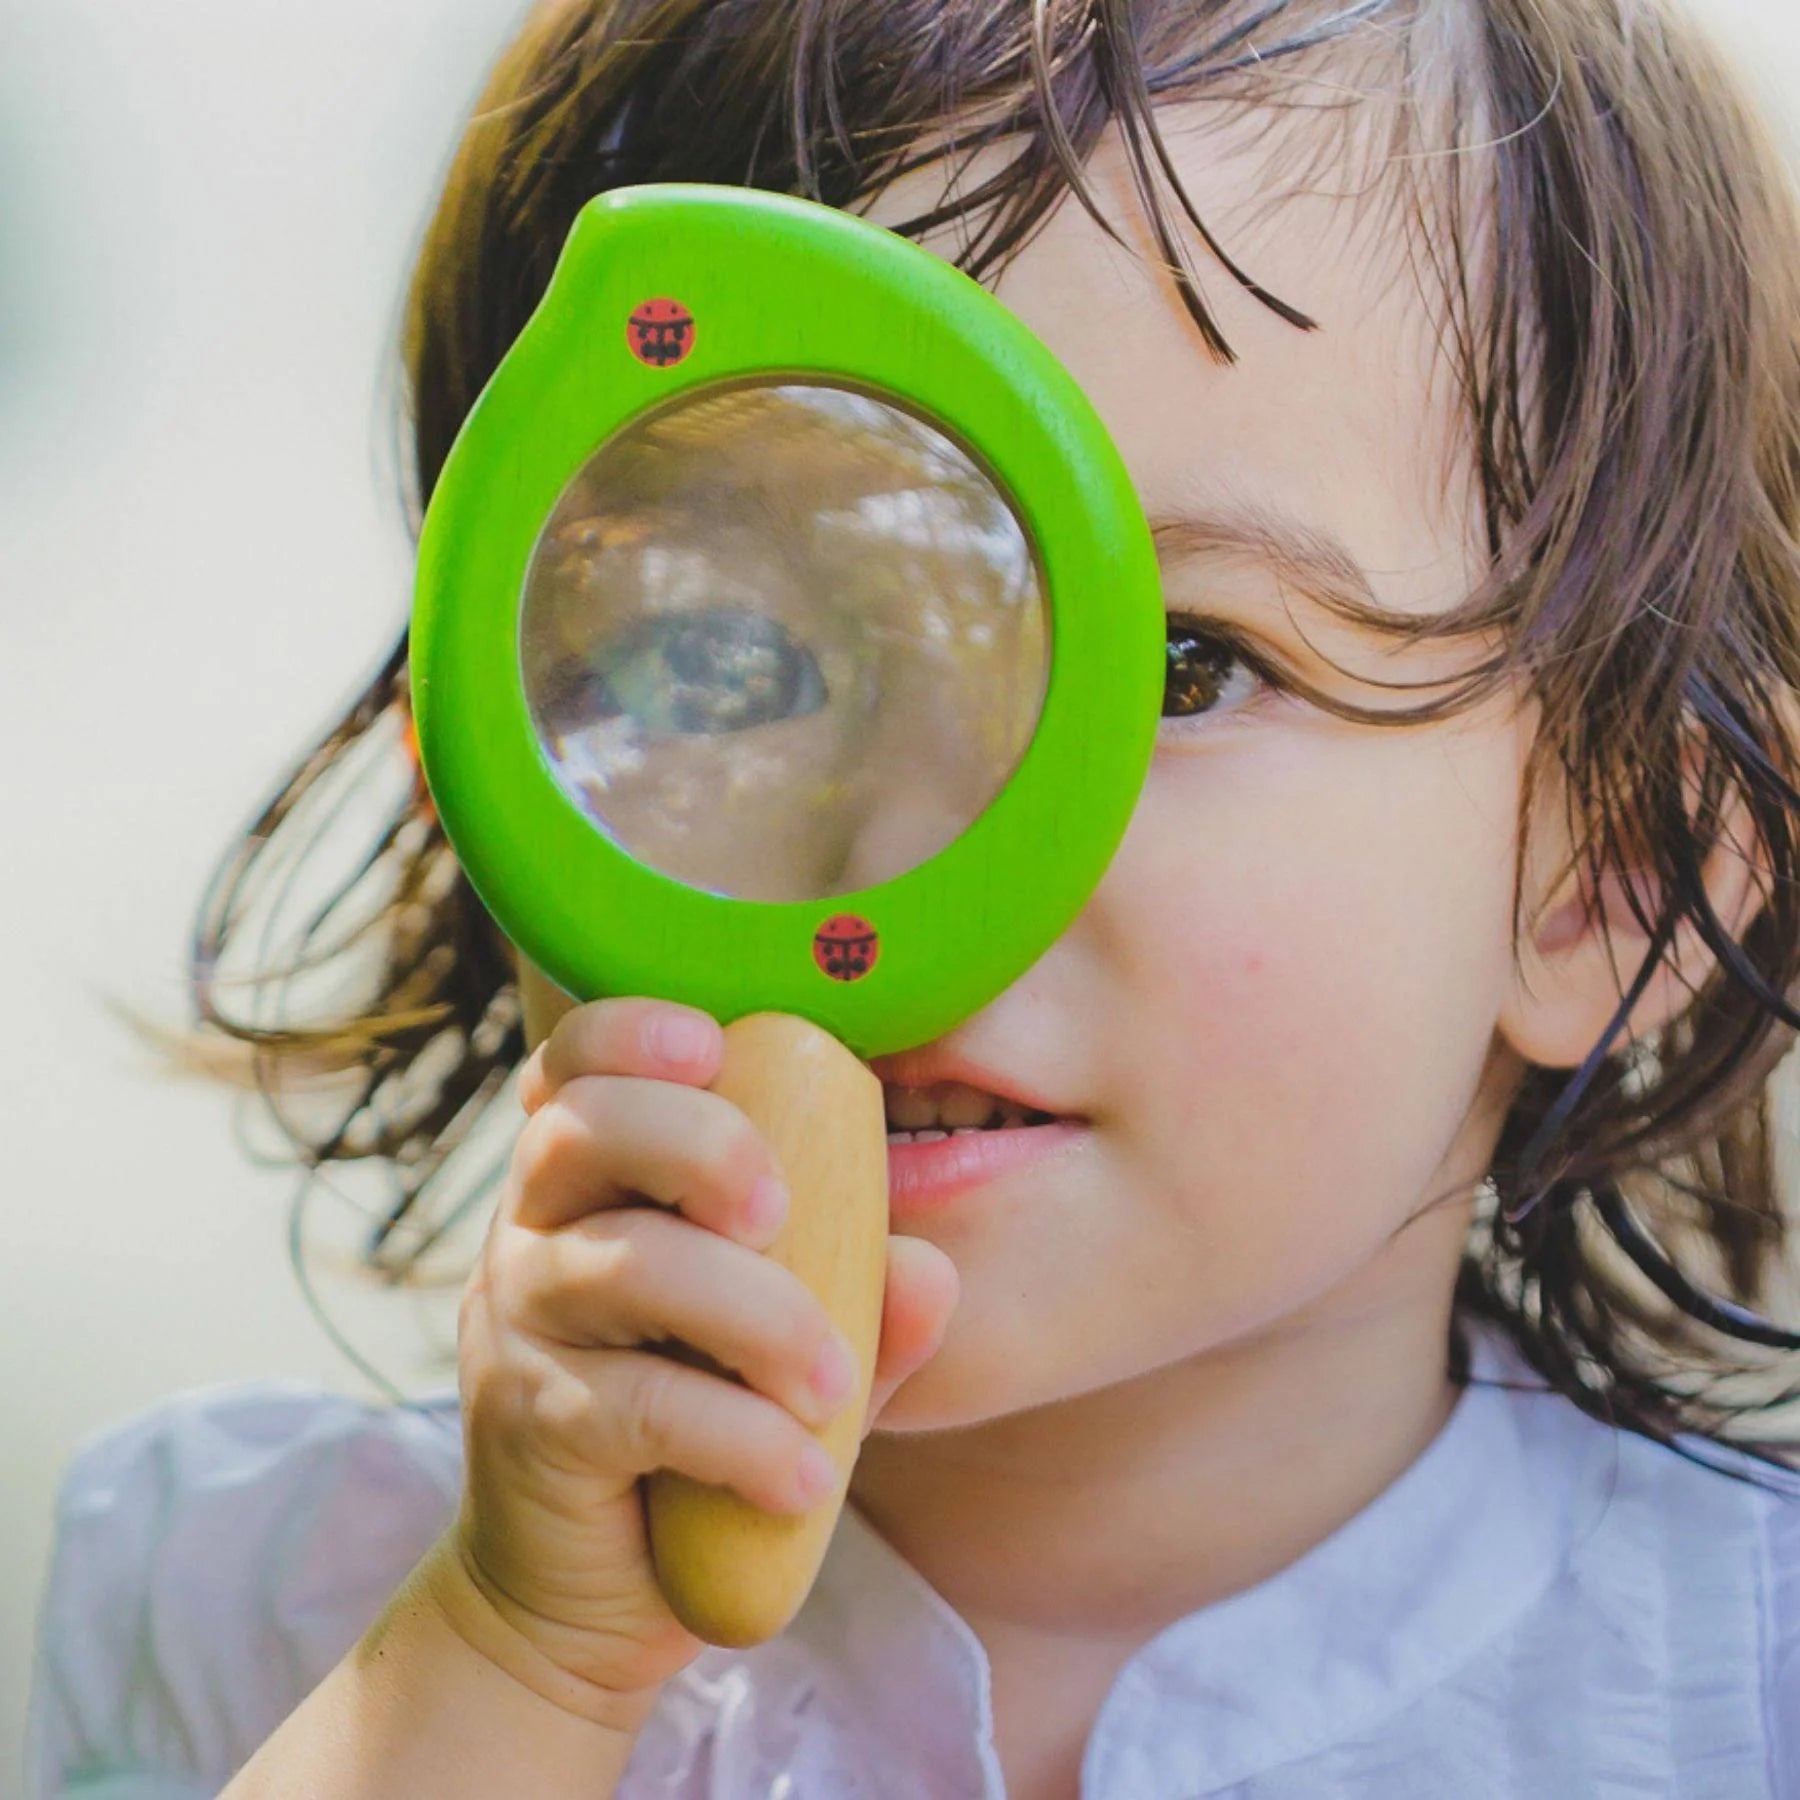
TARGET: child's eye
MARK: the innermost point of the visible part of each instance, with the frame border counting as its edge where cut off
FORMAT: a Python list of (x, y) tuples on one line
[(1207, 674), (701, 674)]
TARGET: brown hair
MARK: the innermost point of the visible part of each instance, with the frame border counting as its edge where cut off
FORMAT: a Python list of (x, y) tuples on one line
[(1616, 251)]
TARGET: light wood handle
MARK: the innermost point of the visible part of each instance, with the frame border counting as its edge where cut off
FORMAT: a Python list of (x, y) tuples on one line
[(733, 1573)]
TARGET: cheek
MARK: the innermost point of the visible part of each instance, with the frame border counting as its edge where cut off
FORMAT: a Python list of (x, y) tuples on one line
[(1316, 963), (1283, 997)]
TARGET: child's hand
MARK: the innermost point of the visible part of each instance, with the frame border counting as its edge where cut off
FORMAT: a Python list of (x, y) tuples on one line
[(629, 1216)]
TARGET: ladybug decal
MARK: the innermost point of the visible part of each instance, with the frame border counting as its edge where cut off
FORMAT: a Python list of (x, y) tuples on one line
[(845, 947), (660, 333)]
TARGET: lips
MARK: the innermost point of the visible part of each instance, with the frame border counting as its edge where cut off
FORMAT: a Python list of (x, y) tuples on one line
[(920, 1069), (932, 1175), (933, 1169)]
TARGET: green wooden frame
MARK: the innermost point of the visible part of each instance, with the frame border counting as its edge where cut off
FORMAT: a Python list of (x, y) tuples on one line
[(781, 288)]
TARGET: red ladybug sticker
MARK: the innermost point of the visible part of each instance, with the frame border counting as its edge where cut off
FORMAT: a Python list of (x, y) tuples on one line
[(660, 333), (846, 947)]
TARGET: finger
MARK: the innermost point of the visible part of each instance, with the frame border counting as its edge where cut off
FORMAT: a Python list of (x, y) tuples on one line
[(654, 1038), (922, 1290), (634, 1276), (635, 1412), (604, 1140)]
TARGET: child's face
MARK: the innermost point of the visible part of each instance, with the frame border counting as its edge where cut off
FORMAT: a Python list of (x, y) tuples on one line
[(1278, 1013), (1281, 1016)]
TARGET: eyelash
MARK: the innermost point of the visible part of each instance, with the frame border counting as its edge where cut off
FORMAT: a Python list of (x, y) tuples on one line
[(1183, 629)]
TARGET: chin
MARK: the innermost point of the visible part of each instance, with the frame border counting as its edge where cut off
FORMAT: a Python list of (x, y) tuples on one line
[(942, 1396), (970, 1381)]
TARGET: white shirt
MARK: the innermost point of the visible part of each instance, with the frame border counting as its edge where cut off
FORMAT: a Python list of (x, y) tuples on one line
[(1538, 1607)]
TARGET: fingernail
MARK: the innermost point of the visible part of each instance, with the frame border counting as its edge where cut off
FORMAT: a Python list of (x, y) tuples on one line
[(834, 1373), (677, 1037), (767, 1206), (818, 1473)]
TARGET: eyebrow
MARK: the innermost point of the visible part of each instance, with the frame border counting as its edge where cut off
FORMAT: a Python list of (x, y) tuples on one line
[(1314, 561)]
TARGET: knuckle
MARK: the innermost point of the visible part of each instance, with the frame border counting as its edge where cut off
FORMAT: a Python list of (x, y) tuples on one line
[(549, 1144), (599, 1030), (482, 1302), (651, 1410), (564, 1419), (612, 1269), (580, 1280), (613, 1246), (562, 1409), (501, 1276), (537, 1146), (727, 1149), (494, 1401), (800, 1330), (580, 1029)]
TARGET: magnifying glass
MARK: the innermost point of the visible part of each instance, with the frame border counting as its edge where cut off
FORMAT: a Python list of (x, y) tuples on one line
[(788, 642)]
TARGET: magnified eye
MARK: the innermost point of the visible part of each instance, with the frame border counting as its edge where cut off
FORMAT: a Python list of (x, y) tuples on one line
[(702, 674), (1206, 673)]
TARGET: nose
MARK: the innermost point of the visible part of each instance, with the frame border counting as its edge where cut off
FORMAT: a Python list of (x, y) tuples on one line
[(910, 822), (933, 763), (929, 780)]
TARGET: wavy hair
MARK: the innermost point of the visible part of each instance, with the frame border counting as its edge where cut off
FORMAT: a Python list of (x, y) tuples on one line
[(1615, 255)]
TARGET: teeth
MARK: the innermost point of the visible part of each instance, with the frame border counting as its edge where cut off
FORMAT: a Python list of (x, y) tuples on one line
[(959, 1105), (949, 1106), (910, 1109), (951, 1109)]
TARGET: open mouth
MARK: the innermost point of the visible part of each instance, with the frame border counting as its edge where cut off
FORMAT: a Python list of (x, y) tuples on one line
[(953, 1109)]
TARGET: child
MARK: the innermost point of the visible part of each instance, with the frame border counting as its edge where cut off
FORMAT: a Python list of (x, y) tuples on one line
[(1333, 1398)]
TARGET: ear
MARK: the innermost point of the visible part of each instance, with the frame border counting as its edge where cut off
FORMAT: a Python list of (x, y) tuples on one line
[(1580, 949)]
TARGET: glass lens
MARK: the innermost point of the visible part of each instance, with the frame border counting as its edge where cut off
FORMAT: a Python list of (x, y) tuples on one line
[(783, 641)]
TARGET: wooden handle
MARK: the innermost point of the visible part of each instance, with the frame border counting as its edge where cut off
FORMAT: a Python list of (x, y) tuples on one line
[(734, 1574)]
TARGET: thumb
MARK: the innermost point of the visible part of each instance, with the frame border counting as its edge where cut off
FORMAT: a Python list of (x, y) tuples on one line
[(922, 1291)]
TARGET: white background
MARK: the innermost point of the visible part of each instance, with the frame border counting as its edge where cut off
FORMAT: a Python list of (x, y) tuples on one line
[(207, 208)]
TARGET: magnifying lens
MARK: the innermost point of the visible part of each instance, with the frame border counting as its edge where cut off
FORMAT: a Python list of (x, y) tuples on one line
[(788, 642)]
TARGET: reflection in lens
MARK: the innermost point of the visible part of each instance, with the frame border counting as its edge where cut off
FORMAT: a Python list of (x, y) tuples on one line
[(703, 673), (783, 642)]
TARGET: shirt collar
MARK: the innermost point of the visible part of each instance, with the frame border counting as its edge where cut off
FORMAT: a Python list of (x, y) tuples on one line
[(1411, 1587), (908, 1675)]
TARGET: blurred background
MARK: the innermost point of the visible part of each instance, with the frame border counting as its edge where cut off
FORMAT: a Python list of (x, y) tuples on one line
[(207, 209)]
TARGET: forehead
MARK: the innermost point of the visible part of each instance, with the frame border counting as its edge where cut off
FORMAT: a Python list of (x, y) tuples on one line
[(1354, 428)]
